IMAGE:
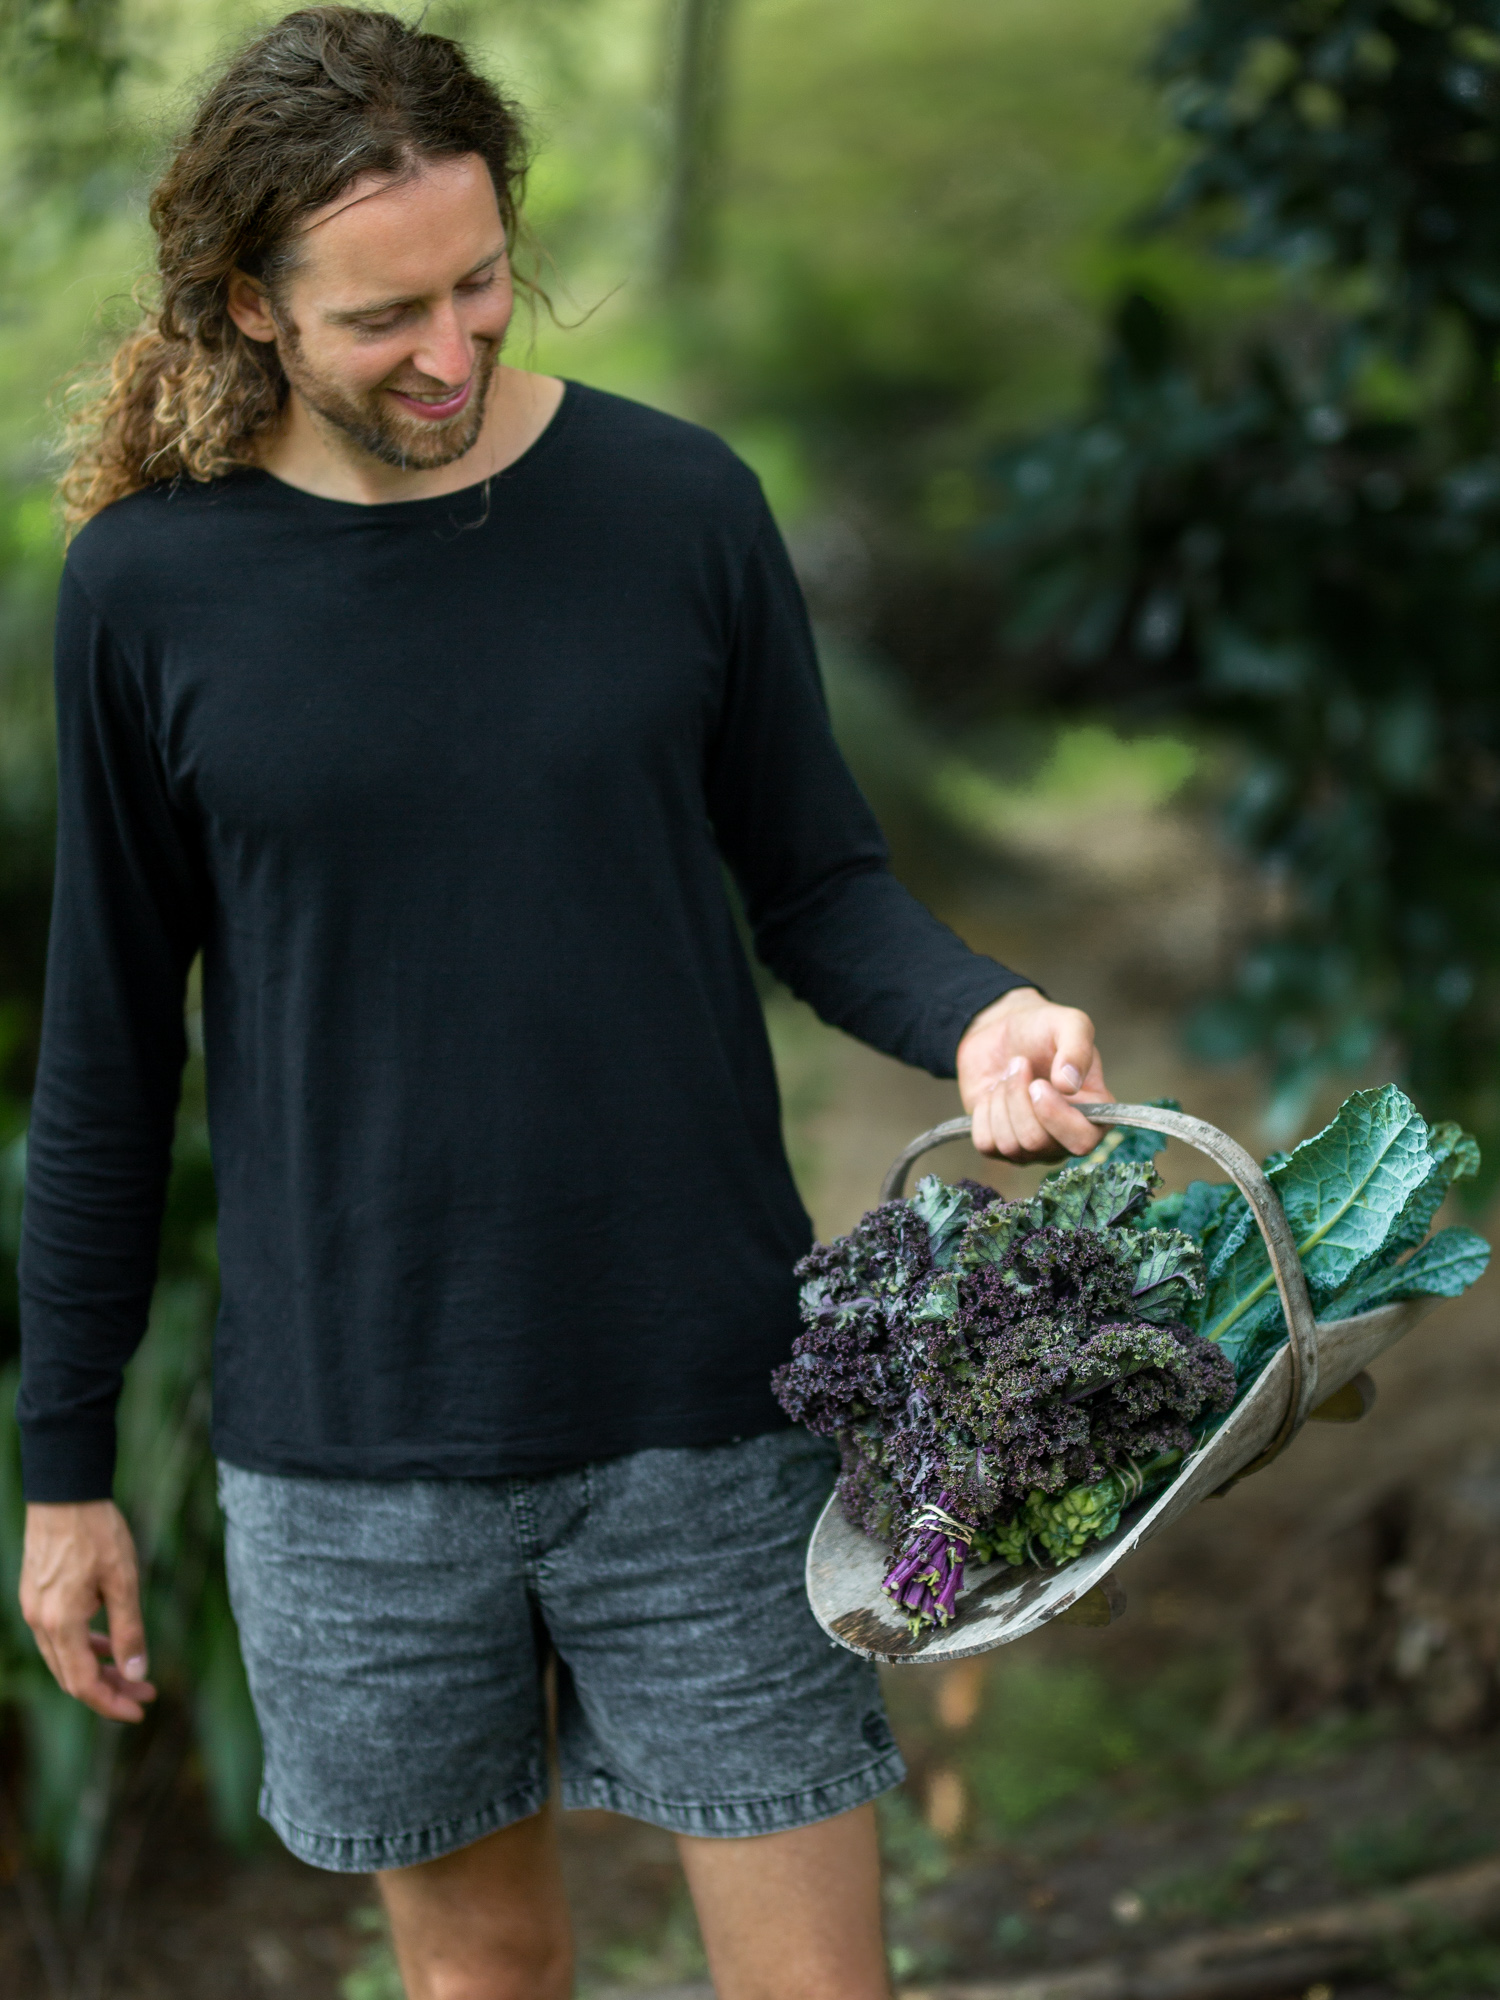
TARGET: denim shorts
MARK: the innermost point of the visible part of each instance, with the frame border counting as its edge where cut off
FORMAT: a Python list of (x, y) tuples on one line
[(396, 1633)]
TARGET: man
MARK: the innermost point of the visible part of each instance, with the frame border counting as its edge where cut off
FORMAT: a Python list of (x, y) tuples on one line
[(427, 698)]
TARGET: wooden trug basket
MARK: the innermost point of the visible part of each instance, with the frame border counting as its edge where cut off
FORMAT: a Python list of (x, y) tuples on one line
[(998, 1603)]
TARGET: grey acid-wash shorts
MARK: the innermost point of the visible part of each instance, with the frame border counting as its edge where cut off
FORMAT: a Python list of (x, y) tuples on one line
[(396, 1632)]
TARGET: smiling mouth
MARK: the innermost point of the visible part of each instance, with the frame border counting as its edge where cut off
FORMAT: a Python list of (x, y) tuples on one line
[(433, 409)]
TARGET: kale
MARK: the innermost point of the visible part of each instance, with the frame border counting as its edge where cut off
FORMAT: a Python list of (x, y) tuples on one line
[(1005, 1377), (969, 1352), (1360, 1196)]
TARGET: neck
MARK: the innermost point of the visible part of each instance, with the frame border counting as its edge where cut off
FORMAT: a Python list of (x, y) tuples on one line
[(309, 452)]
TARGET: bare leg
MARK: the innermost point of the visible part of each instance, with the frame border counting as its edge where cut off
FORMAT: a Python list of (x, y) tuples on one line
[(792, 1916), (487, 1923)]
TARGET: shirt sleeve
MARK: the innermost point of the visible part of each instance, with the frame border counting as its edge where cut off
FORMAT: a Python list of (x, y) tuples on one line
[(125, 927), (827, 915)]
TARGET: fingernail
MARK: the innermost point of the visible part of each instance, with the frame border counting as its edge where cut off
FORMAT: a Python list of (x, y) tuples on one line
[(135, 1670), (1069, 1077), (1015, 1063), (1035, 1089)]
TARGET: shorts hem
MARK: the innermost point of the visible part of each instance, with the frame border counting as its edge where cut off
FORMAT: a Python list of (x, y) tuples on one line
[(737, 1819), (365, 1853)]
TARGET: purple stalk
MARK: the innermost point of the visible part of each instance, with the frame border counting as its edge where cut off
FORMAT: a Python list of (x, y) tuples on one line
[(927, 1576)]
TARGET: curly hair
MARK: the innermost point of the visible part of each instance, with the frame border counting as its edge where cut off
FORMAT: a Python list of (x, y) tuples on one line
[(327, 95)]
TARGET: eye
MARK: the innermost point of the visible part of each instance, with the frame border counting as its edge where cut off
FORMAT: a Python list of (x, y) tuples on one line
[(481, 282), (385, 323)]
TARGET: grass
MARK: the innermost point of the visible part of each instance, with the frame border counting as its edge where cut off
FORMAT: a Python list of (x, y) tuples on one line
[(1445, 1960), (669, 1955), (1383, 1852), (375, 1977)]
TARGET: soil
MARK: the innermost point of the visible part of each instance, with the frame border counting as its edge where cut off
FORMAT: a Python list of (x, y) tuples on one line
[(1335, 1620), (1291, 1839)]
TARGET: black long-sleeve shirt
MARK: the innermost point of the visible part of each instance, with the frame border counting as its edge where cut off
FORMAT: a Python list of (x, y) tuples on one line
[(442, 791)]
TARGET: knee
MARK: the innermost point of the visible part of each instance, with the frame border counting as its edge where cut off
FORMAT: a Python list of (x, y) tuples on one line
[(540, 1969)]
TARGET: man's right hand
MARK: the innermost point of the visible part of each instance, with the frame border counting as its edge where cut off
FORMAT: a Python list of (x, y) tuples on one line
[(78, 1559)]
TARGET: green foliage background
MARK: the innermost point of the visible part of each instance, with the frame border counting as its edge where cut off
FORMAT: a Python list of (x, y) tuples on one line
[(1286, 527)]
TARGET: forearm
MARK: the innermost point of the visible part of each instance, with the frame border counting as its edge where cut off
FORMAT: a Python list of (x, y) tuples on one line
[(869, 958), (98, 1158)]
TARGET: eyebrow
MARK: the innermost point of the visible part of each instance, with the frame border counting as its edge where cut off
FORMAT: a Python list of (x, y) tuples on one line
[(353, 313)]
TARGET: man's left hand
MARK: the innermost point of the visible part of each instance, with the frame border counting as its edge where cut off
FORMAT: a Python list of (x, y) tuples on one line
[(1019, 1064)]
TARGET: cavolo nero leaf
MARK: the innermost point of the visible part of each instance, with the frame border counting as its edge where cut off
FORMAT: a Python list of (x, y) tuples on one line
[(1343, 1191), (1445, 1266), (1357, 1195), (1455, 1157), (1194, 1209)]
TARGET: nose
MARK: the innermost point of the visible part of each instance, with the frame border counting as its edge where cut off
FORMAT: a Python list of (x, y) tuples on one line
[(445, 352)]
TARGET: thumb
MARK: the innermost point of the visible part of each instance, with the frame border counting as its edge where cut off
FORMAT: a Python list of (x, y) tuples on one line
[(120, 1589), (1074, 1055)]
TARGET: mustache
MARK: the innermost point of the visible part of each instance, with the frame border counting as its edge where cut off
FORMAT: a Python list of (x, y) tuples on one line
[(486, 352)]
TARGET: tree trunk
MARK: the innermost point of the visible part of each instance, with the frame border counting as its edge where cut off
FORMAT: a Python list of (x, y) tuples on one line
[(701, 56)]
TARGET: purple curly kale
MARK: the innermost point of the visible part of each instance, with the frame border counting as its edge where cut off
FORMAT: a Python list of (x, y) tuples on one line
[(971, 1354), (852, 1361), (1046, 1368)]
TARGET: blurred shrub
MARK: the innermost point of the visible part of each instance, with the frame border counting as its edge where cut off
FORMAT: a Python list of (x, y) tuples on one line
[(1273, 520), (912, 222), (1269, 553), (1362, 136), (1290, 534), (71, 149)]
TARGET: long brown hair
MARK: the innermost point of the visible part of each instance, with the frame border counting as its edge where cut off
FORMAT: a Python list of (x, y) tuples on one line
[(328, 94)]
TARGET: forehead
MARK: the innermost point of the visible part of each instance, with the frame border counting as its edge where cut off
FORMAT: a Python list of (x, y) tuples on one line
[(402, 234)]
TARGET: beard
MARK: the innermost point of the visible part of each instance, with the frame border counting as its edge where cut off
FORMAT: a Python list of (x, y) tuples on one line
[(380, 428)]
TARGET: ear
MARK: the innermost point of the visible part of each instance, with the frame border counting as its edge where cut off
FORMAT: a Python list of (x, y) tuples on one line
[(249, 308)]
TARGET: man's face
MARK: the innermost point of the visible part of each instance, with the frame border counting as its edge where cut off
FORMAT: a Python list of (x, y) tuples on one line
[(390, 325)]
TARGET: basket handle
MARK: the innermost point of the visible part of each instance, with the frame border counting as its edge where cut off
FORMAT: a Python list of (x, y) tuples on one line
[(1265, 1206)]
